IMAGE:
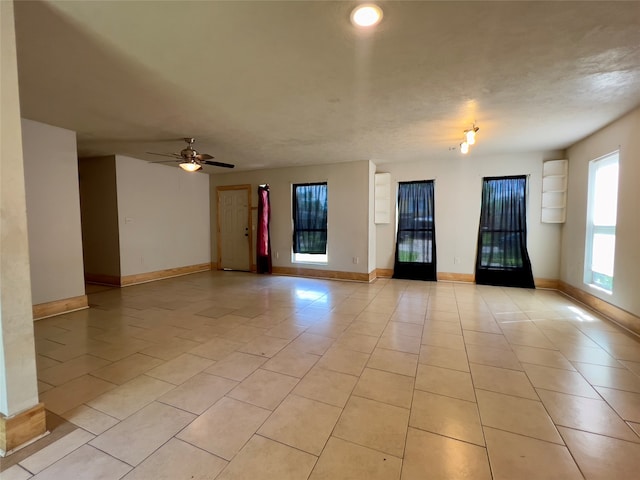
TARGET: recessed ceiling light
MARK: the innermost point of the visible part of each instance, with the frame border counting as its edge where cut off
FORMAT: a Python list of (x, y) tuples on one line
[(366, 15)]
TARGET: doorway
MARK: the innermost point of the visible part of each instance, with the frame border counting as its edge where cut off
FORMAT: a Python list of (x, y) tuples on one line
[(234, 227)]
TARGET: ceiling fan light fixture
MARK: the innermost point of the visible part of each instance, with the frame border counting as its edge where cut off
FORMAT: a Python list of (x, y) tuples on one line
[(464, 148), (471, 135), (190, 166), (366, 15)]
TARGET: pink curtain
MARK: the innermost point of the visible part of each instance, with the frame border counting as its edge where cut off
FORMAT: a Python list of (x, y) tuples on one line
[(263, 254)]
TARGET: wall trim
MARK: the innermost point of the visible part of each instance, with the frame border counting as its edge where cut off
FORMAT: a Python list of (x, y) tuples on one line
[(162, 274), (57, 307), (312, 272), (100, 279), (456, 277), (384, 272), (616, 314), (21, 429), (547, 283)]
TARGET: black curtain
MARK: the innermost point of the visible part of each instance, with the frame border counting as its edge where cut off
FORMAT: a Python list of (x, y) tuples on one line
[(415, 257), (263, 242), (310, 218), (502, 257)]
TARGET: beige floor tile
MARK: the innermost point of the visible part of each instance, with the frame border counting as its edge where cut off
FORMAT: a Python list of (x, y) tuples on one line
[(343, 460), (344, 361), (236, 366), (360, 327), (444, 357), (385, 387), (130, 397), (559, 380), (602, 458), (405, 329), (483, 339), (542, 356), (180, 369), (64, 372), (74, 465), (394, 361), (15, 472), (285, 330), (90, 419), (356, 342), (326, 386), (292, 362), (264, 346), (225, 427), (328, 329), (516, 415), (502, 380), (633, 366), (424, 454), (177, 460), (57, 450), (301, 423), (514, 457), (135, 438), (446, 416), (480, 325), (494, 357), (198, 393), (373, 424), (401, 343), (74, 393), (602, 376), (626, 404), (586, 414), (127, 369), (310, 343), (436, 326), (444, 381), (264, 388), (635, 427), (264, 459), (216, 349), (445, 340), (170, 349), (596, 356)]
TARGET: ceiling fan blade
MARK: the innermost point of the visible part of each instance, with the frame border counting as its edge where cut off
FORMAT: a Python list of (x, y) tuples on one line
[(204, 156), (172, 155), (165, 161), (218, 164)]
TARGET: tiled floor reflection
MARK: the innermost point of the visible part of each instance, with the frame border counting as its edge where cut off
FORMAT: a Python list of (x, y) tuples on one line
[(225, 375)]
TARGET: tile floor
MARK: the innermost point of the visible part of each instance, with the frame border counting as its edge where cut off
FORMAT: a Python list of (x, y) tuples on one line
[(226, 375)]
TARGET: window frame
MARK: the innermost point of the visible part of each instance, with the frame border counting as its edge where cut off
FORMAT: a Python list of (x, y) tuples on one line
[(309, 258), (591, 229)]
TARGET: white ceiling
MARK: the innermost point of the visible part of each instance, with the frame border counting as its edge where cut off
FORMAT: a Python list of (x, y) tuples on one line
[(266, 84)]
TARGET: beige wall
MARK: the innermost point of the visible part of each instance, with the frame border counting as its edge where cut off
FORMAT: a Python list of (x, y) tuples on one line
[(623, 135), (99, 206), (348, 211), (163, 216), (53, 206), (458, 191)]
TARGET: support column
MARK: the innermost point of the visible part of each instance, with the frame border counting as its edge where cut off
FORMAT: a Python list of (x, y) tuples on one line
[(22, 418)]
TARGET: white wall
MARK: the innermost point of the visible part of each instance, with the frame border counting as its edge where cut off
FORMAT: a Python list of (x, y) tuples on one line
[(623, 135), (372, 214), (53, 212), (348, 211), (458, 195), (163, 216), (99, 208)]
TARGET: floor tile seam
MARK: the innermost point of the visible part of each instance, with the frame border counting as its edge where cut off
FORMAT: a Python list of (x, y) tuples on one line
[(51, 444), (155, 399), (471, 362), (373, 448), (92, 408), (599, 434), (389, 371), (451, 437), (266, 437), (448, 396)]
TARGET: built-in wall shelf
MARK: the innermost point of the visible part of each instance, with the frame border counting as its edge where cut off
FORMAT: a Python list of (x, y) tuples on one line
[(554, 191)]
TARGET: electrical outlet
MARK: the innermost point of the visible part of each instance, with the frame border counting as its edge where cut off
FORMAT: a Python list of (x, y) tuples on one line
[(356, 260), (456, 260), (277, 255)]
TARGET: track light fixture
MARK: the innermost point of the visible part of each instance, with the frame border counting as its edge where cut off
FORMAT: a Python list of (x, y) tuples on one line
[(469, 139)]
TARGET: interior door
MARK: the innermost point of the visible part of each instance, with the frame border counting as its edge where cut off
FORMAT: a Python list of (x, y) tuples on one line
[(234, 230)]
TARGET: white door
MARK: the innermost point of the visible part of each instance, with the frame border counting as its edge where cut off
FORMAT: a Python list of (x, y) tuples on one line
[(234, 235)]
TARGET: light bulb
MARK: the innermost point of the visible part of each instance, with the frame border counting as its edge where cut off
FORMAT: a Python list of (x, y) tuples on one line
[(190, 166), (471, 136), (464, 147), (367, 15)]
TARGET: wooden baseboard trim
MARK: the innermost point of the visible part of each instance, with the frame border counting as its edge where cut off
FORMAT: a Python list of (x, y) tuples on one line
[(617, 315), (58, 307), (384, 272), (456, 277), (100, 279), (21, 429), (312, 272), (162, 274), (547, 283)]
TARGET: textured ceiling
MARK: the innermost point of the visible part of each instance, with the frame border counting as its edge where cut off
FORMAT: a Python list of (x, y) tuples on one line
[(267, 84)]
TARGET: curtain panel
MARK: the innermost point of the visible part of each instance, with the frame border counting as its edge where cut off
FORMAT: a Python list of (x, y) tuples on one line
[(263, 242), (310, 218), (415, 256), (502, 257)]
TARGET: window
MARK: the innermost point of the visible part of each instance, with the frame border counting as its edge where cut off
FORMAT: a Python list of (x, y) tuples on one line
[(416, 243), (502, 257), (310, 222), (601, 222)]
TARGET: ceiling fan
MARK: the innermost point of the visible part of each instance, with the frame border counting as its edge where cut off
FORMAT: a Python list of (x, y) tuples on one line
[(190, 160)]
